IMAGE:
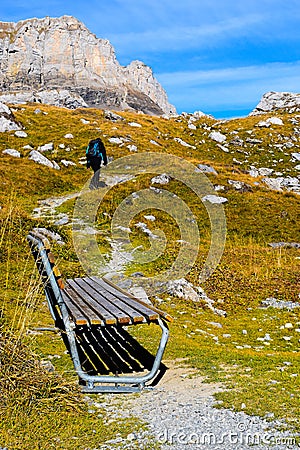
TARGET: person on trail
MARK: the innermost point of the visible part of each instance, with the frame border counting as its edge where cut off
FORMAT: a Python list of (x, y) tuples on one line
[(95, 154)]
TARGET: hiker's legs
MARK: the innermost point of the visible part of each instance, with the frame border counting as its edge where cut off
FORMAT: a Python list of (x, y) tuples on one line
[(94, 184), (96, 163)]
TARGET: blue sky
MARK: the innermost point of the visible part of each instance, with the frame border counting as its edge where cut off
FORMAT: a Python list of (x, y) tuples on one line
[(217, 56)]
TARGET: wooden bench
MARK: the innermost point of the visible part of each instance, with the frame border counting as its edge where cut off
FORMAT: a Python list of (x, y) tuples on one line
[(93, 315)]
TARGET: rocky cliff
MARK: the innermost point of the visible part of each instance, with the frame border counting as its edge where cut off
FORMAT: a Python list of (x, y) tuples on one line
[(272, 101), (61, 53)]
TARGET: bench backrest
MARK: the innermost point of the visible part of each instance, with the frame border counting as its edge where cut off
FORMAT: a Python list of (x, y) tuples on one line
[(48, 270)]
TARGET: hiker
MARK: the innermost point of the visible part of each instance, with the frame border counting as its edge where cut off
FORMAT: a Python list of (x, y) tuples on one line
[(95, 154)]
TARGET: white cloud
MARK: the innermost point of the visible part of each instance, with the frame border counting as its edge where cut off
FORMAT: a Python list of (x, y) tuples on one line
[(229, 88), (177, 36)]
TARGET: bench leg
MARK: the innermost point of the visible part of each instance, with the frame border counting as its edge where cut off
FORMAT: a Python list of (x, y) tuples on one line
[(114, 383)]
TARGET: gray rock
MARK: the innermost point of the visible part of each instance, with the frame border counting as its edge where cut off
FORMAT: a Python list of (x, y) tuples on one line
[(183, 143), (67, 163), (12, 152), (215, 199), (116, 140), (37, 157), (217, 136), (132, 148), (183, 289), (110, 115), (270, 121), (207, 169), (285, 245), (134, 124), (279, 304), (46, 147), (161, 179), (296, 156), (21, 134), (240, 186), (7, 119), (253, 141)]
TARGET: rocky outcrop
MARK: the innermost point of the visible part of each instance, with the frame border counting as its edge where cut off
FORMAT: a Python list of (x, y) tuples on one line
[(61, 53), (55, 97), (271, 101), (7, 119)]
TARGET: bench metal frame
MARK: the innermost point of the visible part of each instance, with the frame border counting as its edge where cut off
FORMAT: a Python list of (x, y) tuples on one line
[(94, 383)]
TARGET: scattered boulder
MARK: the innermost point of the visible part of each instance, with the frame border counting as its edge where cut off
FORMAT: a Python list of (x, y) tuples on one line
[(279, 304), (217, 136), (21, 134), (283, 183), (110, 115), (132, 148), (116, 140), (12, 152), (183, 289), (271, 121), (240, 186), (204, 168), (67, 163), (68, 136), (262, 171), (134, 124), (37, 157), (285, 245), (296, 157), (215, 199), (7, 120), (185, 144), (46, 147), (161, 179)]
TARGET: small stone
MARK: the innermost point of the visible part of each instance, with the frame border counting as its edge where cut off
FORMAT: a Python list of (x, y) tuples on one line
[(46, 147), (131, 437), (21, 134), (134, 124), (69, 136), (215, 199), (12, 152), (288, 325)]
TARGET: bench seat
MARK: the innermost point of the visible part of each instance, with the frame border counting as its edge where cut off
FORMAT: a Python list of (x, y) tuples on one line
[(92, 314)]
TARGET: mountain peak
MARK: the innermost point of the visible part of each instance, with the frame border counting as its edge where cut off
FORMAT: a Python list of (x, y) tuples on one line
[(54, 53)]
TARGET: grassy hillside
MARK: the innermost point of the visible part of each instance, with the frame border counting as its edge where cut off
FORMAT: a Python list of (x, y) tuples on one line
[(254, 351)]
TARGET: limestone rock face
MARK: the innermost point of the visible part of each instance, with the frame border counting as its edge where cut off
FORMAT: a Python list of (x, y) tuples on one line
[(271, 101), (61, 53)]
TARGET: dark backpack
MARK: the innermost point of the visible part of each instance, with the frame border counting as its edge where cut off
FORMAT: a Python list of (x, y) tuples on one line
[(95, 148)]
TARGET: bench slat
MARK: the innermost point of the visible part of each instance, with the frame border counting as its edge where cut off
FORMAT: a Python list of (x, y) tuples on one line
[(128, 301), (120, 301), (77, 299), (91, 307), (74, 311), (91, 289)]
